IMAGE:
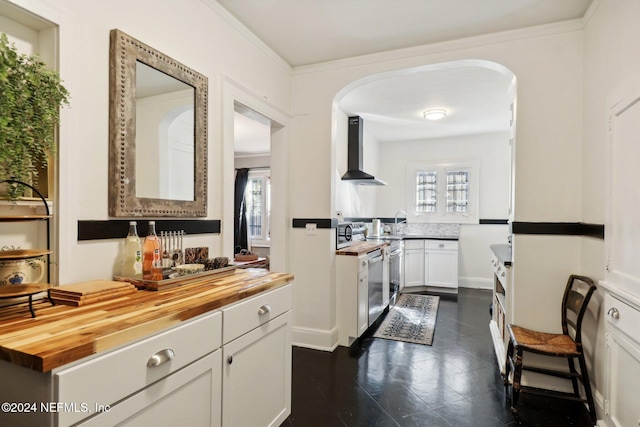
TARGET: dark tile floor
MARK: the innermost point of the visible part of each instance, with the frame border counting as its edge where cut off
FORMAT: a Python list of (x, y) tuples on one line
[(454, 382)]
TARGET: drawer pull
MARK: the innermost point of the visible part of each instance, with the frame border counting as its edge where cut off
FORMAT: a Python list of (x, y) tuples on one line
[(613, 312), (230, 359), (264, 309), (161, 357)]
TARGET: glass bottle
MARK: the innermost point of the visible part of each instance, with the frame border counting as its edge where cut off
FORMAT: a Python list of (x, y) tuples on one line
[(152, 262), (132, 260)]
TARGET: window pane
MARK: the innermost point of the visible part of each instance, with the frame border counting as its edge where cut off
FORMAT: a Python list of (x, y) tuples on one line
[(253, 198), (458, 191), (426, 184)]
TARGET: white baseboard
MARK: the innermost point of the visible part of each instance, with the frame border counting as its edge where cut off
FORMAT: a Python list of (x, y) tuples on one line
[(599, 402), (317, 339), (475, 283)]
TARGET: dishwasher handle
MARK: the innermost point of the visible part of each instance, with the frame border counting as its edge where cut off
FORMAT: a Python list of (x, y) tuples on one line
[(374, 260)]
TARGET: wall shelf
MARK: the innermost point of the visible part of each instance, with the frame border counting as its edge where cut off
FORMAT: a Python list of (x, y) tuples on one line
[(28, 289)]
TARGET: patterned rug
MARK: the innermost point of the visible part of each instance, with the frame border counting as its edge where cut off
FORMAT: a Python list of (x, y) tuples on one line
[(412, 319)]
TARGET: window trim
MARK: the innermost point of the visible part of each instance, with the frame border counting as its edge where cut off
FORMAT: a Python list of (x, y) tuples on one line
[(441, 215)]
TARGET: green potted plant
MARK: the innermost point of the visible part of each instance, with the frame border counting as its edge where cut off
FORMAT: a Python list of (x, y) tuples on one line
[(30, 99)]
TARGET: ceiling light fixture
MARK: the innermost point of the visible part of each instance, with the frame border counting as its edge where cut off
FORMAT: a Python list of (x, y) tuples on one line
[(435, 114)]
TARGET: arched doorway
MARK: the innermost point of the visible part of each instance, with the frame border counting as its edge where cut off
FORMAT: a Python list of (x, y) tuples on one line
[(479, 98)]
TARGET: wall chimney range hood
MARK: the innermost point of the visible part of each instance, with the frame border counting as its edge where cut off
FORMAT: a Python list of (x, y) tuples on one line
[(354, 173)]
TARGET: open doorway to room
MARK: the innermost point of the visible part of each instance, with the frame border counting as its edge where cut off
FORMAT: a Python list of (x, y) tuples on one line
[(402, 147), (243, 108), (252, 163)]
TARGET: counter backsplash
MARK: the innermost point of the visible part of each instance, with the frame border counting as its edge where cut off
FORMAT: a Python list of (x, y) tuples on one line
[(431, 229)]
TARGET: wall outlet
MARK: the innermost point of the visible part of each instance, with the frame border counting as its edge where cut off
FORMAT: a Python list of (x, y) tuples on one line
[(312, 229)]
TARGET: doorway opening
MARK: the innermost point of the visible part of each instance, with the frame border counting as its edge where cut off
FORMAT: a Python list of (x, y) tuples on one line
[(456, 173), (252, 163), (242, 106)]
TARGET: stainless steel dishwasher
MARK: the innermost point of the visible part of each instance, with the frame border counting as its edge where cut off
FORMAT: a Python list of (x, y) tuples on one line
[(376, 302)]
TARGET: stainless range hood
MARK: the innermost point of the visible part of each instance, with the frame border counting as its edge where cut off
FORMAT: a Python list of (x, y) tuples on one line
[(354, 173)]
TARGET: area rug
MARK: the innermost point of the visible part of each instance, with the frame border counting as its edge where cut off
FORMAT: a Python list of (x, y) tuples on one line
[(412, 319)]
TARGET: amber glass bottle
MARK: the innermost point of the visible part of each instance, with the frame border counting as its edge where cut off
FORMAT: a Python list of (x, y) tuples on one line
[(152, 262)]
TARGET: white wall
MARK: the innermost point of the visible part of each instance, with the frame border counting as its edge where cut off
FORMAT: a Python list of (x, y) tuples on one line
[(491, 150), (202, 39), (258, 161), (493, 153)]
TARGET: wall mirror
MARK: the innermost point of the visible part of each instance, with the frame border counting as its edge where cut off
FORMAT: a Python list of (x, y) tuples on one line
[(157, 133)]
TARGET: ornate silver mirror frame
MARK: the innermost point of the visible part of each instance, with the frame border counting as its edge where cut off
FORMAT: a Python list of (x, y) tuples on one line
[(125, 54)]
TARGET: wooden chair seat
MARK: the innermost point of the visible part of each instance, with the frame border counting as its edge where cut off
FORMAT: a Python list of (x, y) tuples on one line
[(542, 342)]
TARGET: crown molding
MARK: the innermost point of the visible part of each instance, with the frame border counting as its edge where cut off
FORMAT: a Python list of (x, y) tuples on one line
[(247, 34), (446, 46)]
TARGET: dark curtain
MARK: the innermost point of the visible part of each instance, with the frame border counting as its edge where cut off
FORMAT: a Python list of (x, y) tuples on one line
[(240, 211)]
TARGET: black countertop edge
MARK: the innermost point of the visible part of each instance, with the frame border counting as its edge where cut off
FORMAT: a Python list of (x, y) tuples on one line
[(319, 222), (503, 253), (559, 228), (118, 228)]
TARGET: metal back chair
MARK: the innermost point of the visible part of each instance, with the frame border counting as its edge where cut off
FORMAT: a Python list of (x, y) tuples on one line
[(568, 345)]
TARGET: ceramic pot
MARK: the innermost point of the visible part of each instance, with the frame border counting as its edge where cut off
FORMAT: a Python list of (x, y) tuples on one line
[(19, 272)]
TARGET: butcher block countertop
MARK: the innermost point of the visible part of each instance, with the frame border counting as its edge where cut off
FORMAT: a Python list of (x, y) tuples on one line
[(62, 334), (360, 248)]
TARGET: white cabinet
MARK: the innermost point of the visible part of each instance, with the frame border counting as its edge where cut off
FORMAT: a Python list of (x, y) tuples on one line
[(190, 397), (231, 367), (622, 272), (257, 361), (441, 264), (352, 297), (101, 383), (431, 264), (502, 313), (413, 263), (622, 359)]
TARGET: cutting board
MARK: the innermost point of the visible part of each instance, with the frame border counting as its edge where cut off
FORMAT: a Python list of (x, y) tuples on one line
[(91, 291)]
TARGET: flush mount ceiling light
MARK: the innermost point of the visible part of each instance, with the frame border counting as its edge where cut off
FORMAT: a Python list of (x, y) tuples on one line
[(435, 114)]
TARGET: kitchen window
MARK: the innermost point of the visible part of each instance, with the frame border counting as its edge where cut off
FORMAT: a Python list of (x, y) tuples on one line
[(257, 197), (444, 192)]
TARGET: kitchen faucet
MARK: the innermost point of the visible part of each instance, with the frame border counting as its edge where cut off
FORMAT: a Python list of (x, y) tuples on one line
[(395, 221)]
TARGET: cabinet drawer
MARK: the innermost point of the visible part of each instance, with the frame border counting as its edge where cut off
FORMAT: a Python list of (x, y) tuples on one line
[(441, 244), (363, 263), (414, 244), (247, 315), (628, 317), (117, 374)]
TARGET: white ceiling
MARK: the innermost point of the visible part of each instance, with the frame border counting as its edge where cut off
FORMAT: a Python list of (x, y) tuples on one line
[(251, 132), (477, 96), (305, 32)]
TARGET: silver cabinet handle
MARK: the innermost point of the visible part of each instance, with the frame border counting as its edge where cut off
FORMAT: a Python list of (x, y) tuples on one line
[(264, 309), (613, 312), (161, 357), (441, 245)]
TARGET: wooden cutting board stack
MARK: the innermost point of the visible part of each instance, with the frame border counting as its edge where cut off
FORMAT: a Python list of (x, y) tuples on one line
[(84, 293)]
